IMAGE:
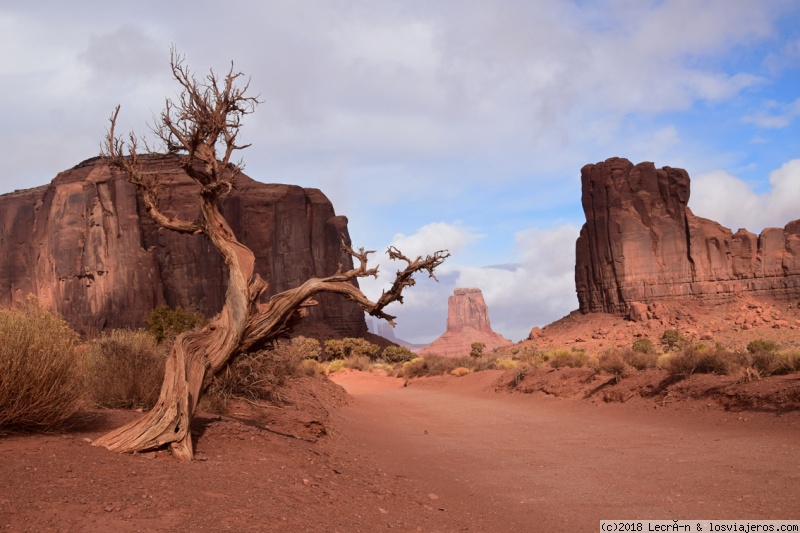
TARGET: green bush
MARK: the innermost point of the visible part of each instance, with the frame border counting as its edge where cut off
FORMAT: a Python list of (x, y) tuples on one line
[(671, 339), (640, 360), (41, 370), (397, 354), (643, 345), (125, 370), (761, 345), (164, 322), (341, 349)]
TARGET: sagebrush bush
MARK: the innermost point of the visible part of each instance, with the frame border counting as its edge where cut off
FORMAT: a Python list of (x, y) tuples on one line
[(397, 354), (711, 361), (125, 369), (41, 370), (761, 345), (671, 339), (770, 362), (164, 323), (357, 362), (572, 359), (613, 362), (341, 349), (640, 360), (643, 345)]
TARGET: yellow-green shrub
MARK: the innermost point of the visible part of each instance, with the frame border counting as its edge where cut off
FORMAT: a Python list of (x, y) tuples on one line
[(41, 371)]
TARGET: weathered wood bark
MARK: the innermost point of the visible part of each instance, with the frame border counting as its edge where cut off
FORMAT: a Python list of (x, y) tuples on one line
[(208, 114)]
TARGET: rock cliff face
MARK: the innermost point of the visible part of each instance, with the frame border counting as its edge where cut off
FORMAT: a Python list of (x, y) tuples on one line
[(85, 246), (642, 244), (467, 322)]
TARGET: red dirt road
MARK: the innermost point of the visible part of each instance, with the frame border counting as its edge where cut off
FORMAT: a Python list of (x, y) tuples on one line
[(503, 462), (441, 455)]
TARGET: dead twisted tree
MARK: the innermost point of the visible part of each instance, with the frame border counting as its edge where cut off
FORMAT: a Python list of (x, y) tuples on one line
[(202, 129)]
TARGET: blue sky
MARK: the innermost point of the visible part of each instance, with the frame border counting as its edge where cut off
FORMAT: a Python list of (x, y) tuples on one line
[(449, 124)]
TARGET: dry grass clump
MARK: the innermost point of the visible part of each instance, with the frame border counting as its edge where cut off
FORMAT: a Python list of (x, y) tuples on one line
[(41, 370), (460, 371), (640, 360), (358, 362), (258, 376), (769, 363), (570, 358), (704, 361), (613, 362), (125, 369)]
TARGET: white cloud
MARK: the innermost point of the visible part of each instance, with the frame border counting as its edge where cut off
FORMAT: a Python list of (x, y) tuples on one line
[(433, 237), (774, 115), (733, 203)]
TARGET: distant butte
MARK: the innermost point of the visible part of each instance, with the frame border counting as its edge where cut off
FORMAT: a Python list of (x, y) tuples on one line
[(467, 322), (642, 244)]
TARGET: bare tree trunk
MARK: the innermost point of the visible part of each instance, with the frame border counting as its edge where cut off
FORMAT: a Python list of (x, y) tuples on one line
[(209, 113)]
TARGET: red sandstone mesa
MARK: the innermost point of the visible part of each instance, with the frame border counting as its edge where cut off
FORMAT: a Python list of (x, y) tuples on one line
[(85, 247), (641, 243), (467, 322)]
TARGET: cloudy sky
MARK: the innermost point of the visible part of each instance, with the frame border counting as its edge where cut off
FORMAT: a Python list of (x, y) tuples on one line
[(459, 124)]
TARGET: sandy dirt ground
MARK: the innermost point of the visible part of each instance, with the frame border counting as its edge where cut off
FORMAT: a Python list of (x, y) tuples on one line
[(441, 454)]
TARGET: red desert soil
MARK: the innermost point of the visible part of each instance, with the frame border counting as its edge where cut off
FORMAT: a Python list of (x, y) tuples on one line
[(442, 454)]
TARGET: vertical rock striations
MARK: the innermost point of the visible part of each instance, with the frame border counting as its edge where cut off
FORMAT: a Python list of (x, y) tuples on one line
[(641, 243), (467, 322), (85, 247)]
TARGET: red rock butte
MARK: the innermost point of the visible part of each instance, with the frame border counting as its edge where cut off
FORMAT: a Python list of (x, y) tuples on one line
[(642, 244), (86, 248), (467, 322)]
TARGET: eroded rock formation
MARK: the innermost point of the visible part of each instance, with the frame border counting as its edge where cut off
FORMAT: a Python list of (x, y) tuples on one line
[(467, 322), (642, 244), (84, 246)]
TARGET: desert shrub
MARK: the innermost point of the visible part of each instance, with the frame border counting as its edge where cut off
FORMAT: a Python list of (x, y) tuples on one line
[(476, 350), (640, 360), (163, 322), (761, 345), (643, 345), (125, 369), (690, 361), (357, 362), (770, 362), (341, 349), (460, 371), (312, 367), (397, 354), (671, 339), (612, 362), (305, 347), (562, 358), (255, 376), (335, 366), (504, 363), (415, 368), (41, 370)]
